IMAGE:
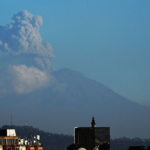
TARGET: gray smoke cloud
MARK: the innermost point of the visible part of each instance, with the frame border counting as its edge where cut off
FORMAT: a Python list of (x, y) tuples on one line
[(22, 37), (27, 79), (21, 79)]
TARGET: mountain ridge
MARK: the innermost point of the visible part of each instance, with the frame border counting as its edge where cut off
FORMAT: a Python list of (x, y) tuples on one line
[(71, 101)]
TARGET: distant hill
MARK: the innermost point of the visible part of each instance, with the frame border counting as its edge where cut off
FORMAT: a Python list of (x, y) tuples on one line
[(71, 101)]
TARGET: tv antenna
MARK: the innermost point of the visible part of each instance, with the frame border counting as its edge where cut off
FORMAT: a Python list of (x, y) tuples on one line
[(11, 120)]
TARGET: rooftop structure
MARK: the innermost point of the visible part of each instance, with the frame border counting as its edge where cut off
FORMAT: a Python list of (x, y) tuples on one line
[(9, 141), (91, 137)]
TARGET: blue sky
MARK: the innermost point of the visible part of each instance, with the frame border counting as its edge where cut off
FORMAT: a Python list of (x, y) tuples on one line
[(107, 41)]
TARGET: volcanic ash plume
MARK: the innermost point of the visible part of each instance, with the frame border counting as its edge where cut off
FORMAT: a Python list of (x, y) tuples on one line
[(26, 80), (22, 37)]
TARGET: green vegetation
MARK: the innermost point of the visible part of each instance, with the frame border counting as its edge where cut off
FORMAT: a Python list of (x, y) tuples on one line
[(123, 143)]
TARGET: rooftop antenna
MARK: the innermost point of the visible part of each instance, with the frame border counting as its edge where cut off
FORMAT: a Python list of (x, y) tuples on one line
[(11, 120)]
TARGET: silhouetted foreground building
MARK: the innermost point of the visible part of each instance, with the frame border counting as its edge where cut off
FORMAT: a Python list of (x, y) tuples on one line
[(91, 138), (136, 148), (9, 141)]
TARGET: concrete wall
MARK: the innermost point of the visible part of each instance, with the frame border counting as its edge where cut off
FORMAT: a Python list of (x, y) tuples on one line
[(11, 132), (102, 135), (84, 137), (1, 147), (22, 147)]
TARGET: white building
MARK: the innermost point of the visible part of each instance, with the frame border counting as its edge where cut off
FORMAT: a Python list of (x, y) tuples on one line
[(9, 141)]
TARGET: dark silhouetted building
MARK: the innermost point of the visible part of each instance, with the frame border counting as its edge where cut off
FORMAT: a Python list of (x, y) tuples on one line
[(136, 148), (90, 137)]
